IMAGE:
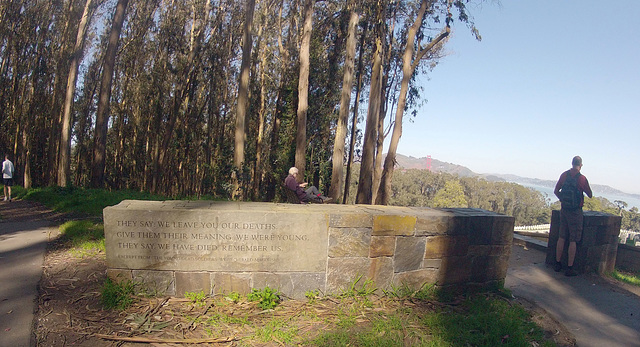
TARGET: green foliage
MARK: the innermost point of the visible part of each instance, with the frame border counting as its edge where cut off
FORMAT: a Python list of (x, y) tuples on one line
[(233, 297), (267, 298), (627, 277), (452, 195), (89, 202), (424, 188), (197, 298), (86, 237), (277, 330), (354, 290), (483, 321), (117, 295), (312, 295)]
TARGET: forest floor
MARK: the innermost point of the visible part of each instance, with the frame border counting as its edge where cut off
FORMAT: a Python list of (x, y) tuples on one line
[(70, 312)]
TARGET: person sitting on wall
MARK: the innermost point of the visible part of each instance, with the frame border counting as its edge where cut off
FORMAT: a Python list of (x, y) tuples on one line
[(310, 194)]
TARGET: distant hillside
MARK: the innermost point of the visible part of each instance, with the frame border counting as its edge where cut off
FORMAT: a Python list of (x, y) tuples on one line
[(436, 166), (406, 162)]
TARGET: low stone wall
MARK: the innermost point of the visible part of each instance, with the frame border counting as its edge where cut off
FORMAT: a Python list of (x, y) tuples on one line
[(219, 247), (628, 258), (596, 252)]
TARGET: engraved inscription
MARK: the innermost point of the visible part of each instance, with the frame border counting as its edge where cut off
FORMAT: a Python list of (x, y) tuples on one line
[(215, 241)]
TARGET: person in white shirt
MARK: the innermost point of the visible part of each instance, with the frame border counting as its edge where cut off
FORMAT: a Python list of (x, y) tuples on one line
[(7, 177)]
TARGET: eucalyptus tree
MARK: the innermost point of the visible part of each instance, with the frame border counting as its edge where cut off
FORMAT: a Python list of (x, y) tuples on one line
[(243, 95), (337, 178), (102, 116), (64, 160)]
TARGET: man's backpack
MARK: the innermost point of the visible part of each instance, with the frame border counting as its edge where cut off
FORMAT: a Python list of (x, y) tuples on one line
[(570, 194)]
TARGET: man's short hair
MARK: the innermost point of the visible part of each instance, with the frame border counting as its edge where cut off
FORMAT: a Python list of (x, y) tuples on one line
[(577, 161), (293, 171)]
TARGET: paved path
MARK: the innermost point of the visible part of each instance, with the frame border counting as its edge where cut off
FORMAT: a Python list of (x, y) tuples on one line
[(596, 311), (22, 247)]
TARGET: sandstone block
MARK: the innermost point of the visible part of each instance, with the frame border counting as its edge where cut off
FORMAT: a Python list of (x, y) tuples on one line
[(349, 242), (394, 225), (409, 253), (440, 246), (382, 246), (193, 282), (156, 282)]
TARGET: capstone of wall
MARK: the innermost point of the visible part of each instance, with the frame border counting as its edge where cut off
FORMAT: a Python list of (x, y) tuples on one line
[(173, 247)]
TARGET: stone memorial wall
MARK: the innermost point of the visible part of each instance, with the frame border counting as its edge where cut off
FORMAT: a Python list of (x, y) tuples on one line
[(174, 247), (596, 251)]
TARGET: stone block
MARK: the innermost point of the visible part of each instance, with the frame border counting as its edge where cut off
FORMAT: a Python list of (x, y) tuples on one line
[(432, 263), (302, 282), (215, 239), (433, 225), (480, 230), (225, 283), (394, 225), (441, 246), (489, 268), (343, 272), (349, 242), (409, 253), (193, 282), (382, 246), (351, 220), (120, 275), (415, 280), (493, 250), (156, 282), (381, 272), (502, 233), (454, 270)]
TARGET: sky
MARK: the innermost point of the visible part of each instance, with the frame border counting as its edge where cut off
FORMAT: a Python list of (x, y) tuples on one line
[(550, 79)]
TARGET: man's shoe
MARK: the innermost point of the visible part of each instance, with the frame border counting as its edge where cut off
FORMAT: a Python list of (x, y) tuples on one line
[(326, 200), (557, 267), (570, 272)]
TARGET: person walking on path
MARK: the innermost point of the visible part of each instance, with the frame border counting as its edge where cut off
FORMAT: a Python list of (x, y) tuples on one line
[(570, 190), (7, 177)]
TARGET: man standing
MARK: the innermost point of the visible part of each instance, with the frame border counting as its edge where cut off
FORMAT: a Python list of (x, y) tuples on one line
[(7, 177), (569, 190)]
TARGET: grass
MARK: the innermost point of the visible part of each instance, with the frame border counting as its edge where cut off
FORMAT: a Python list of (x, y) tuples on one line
[(117, 295), (627, 277), (89, 202)]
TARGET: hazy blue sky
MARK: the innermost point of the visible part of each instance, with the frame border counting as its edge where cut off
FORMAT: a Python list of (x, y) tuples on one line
[(550, 79)]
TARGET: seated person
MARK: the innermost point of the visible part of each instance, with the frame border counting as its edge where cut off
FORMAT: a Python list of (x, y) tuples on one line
[(311, 194)]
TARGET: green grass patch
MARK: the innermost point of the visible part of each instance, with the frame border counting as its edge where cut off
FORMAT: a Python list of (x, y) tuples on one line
[(89, 202), (627, 277), (117, 295), (85, 237)]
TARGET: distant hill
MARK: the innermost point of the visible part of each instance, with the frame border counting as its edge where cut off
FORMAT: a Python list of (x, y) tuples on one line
[(408, 162)]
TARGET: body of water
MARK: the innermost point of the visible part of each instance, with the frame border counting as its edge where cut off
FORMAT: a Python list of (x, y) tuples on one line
[(631, 201)]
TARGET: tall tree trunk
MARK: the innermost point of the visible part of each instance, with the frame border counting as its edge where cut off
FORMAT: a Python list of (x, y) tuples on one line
[(303, 90), (257, 177), (354, 121), (345, 101), (65, 136), (365, 183), (243, 100), (102, 115), (409, 65)]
